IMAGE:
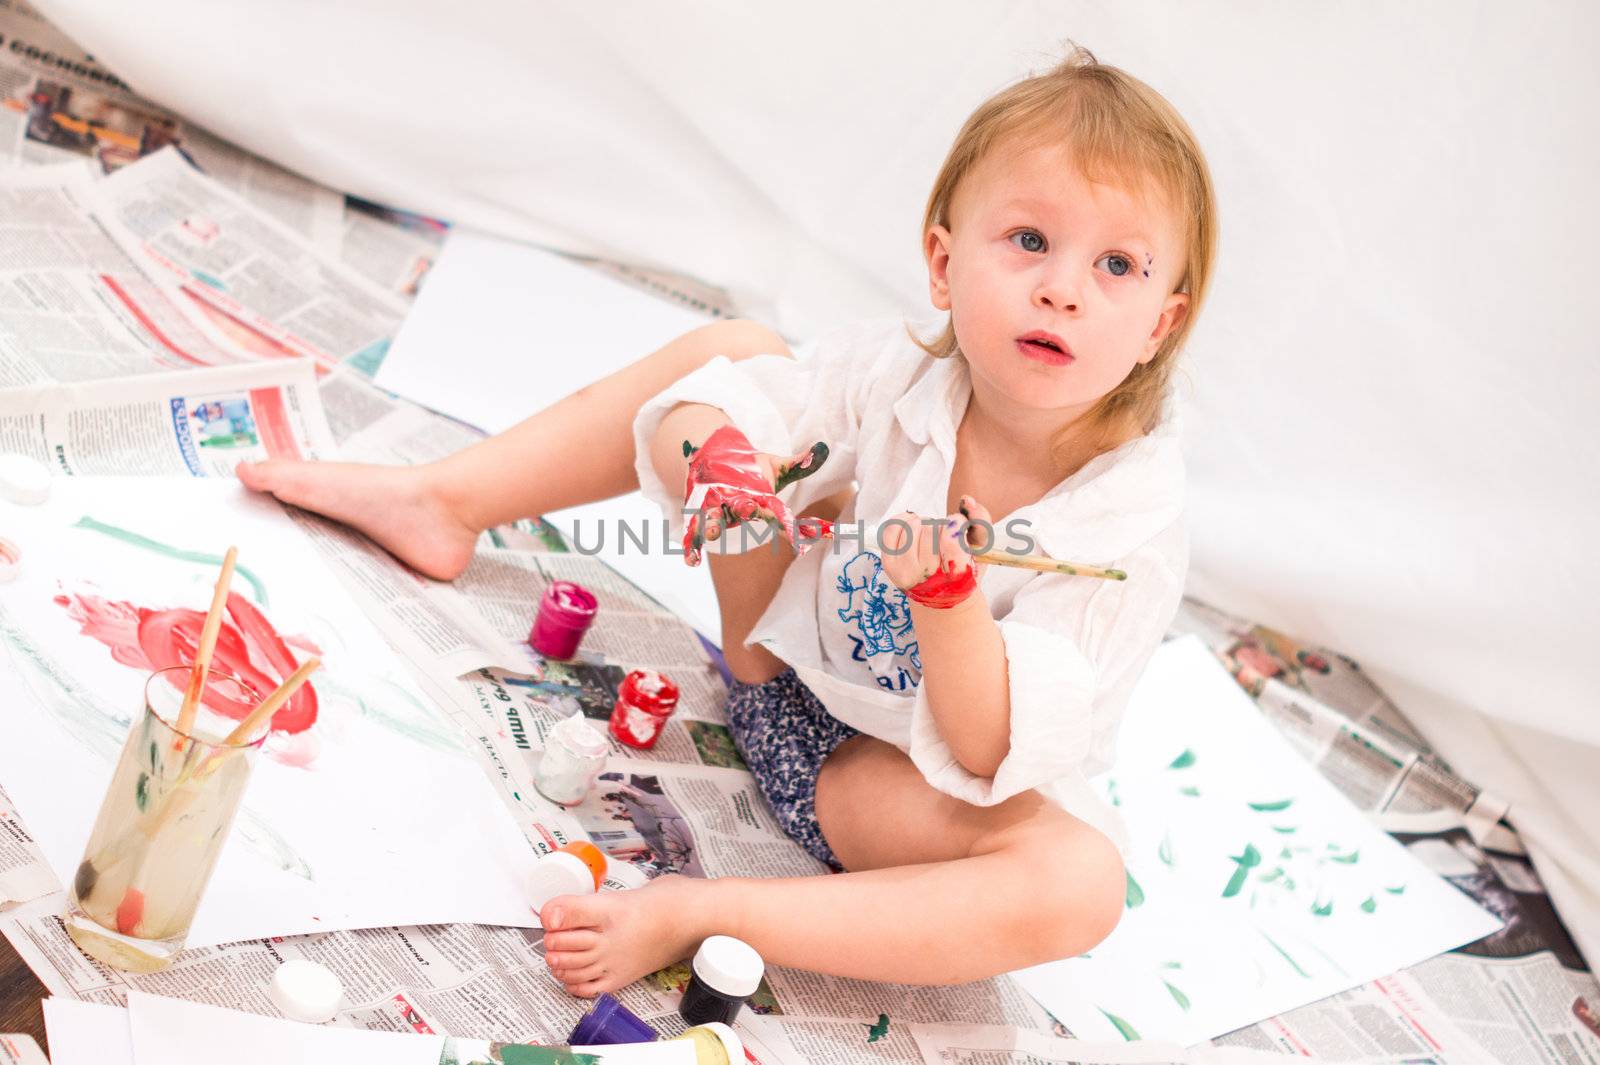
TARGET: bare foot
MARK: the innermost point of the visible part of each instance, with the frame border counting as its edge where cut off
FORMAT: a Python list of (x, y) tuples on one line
[(596, 943), (392, 504)]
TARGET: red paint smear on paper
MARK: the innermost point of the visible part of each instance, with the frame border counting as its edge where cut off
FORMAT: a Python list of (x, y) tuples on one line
[(247, 646)]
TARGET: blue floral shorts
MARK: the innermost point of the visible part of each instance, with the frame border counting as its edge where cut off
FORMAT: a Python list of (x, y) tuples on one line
[(784, 735)]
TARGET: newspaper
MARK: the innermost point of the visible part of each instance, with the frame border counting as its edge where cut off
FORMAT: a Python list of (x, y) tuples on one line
[(75, 305), (196, 422), (279, 291), (394, 249), (20, 1050), (991, 1045), (24, 874), (57, 103)]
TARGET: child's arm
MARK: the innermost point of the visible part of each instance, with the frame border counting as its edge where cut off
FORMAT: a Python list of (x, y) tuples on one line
[(965, 672)]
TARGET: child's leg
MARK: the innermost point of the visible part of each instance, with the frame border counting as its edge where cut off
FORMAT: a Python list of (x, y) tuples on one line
[(946, 892), (578, 450)]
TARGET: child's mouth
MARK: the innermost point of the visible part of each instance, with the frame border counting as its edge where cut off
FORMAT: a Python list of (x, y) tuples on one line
[(1045, 348)]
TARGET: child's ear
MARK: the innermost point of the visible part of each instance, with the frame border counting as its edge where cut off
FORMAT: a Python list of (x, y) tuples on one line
[(936, 251), (1173, 311)]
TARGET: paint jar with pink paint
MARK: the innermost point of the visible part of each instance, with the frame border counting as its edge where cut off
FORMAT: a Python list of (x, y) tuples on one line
[(565, 613), (163, 823), (644, 702)]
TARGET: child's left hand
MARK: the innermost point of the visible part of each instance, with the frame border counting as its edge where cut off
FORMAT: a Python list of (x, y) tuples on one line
[(934, 566)]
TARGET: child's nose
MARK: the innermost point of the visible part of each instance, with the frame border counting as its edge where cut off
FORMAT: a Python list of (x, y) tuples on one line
[(1059, 290)]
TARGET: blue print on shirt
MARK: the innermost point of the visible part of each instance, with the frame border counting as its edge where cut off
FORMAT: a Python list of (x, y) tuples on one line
[(879, 609)]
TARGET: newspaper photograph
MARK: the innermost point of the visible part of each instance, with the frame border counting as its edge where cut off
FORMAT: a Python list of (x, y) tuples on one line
[(201, 423)]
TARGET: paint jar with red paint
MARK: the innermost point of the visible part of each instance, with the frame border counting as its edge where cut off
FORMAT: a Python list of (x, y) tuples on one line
[(565, 613), (644, 702), (163, 823)]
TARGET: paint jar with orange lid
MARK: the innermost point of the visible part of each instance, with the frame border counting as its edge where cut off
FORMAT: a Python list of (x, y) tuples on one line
[(578, 868)]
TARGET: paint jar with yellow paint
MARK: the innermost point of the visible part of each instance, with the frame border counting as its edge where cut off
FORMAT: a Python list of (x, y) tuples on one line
[(163, 822)]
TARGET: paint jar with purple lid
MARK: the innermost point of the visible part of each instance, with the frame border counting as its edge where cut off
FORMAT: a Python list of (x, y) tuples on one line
[(565, 613), (610, 1022)]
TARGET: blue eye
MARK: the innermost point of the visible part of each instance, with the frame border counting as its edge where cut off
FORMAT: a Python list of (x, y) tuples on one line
[(1028, 240), (1122, 261)]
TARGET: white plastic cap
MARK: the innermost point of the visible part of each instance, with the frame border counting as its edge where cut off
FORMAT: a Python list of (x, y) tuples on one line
[(305, 991), (729, 965), (24, 480), (727, 1037), (558, 873)]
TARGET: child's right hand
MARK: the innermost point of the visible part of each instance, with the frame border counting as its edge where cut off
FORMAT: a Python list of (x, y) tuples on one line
[(729, 482)]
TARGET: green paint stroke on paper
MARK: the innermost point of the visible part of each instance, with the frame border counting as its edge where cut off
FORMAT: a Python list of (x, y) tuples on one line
[(1273, 943), (1371, 905), (522, 1055), (1272, 807), (1126, 1030), (1183, 761), (1133, 897), (1165, 850), (1191, 791), (1178, 996), (1285, 830), (1401, 890), (1346, 859), (1243, 863), (877, 1031), (1322, 909), (133, 539)]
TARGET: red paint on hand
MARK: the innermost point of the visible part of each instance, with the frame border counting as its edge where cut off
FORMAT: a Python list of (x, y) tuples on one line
[(130, 911), (729, 470), (945, 590)]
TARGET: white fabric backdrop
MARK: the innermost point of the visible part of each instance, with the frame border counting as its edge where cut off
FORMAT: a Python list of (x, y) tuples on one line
[(1392, 394)]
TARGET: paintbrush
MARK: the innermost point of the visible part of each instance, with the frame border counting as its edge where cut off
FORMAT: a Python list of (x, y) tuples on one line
[(208, 643), (179, 799), (821, 529)]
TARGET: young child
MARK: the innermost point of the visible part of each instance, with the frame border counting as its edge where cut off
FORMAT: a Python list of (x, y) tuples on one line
[(929, 733)]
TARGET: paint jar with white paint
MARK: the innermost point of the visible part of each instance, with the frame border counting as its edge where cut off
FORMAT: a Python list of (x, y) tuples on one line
[(574, 757)]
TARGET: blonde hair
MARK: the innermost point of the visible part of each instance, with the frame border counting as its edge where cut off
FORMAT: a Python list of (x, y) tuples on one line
[(1119, 130)]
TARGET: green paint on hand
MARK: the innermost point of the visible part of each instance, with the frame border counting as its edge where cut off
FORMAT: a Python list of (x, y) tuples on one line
[(1126, 1030), (1178, 996), (1133, 896), (1272, 807), (1346, 859), (1244, 862), (1322, 909), (1191, 791), (1183, 761), (133, 539), (1165, 851), (804, 468), (1371, 905)]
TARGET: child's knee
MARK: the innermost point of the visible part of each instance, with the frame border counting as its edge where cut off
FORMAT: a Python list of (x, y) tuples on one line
[(1086, 894)]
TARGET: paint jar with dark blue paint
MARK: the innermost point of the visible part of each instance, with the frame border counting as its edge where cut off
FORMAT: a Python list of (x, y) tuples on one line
[(725, 972)]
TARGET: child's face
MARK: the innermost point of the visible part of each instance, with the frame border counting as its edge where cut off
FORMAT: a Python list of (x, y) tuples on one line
[(1034, 250)]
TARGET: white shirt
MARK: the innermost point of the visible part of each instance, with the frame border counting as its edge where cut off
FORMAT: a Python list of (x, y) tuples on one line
[(1074, 645)]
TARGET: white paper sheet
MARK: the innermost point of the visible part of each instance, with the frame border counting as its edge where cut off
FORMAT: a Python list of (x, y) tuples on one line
[(375, 815), (87, 1033), (167, 1031), (1254, 886), (501, 330)]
